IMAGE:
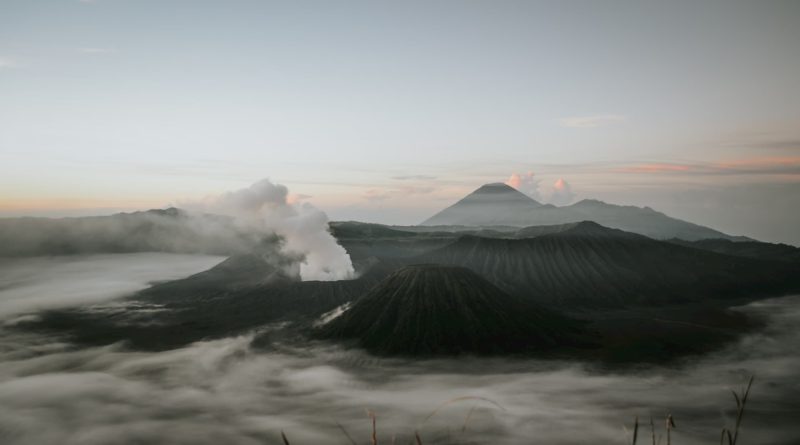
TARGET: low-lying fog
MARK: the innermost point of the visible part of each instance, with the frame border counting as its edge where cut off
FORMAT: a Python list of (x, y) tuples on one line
[(50, 282), (224, 391)]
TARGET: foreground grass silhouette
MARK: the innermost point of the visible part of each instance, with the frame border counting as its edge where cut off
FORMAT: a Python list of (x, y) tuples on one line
[(728, 436), (732, 436)]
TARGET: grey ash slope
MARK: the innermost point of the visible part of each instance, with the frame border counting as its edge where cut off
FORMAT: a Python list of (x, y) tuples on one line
[(240, 294), (434, 310), (502, 205), (586, 265)]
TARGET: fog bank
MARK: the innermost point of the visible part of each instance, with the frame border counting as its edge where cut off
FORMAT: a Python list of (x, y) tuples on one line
[(227, 391), (29, 284)]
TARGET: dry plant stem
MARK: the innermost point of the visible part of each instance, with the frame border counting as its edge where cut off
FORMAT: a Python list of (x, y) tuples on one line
[(349, 437), (670, 424), (740, 405), (740, 408), (374, 430), (285, 440), (459, 399), (725, 433), (653, 430), (466, 420)]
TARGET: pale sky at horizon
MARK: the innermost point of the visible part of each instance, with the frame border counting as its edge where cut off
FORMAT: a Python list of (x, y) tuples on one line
[(388, 111)]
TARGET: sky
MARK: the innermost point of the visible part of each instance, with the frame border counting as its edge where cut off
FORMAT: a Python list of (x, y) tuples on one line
[(389, 111)]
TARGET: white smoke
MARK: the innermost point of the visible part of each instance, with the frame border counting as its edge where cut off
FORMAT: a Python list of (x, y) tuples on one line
[(266, 207)]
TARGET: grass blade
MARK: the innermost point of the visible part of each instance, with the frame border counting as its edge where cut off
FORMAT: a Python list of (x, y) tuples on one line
[(740, 409), (738, 402), (349, 437), (466, 419), (653, 430), (670, 425), (459, 399), (374, 429), (722, 437)]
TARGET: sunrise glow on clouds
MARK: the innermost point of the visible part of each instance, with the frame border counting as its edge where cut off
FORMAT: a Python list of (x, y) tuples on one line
[(758, 166), (98, 117)]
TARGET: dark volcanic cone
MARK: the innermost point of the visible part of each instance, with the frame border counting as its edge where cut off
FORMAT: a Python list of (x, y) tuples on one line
[(430, 309)]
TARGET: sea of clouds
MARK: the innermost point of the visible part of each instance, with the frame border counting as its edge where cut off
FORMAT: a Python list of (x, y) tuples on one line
[(227, 391)]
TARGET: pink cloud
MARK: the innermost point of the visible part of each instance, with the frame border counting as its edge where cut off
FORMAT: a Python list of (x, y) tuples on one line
[(655, 168), (526, 183), (750, 166), (562, 193)]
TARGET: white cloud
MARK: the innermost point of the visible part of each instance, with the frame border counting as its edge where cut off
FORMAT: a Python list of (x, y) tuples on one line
[(526, 183), (562, 193), (591, 121)]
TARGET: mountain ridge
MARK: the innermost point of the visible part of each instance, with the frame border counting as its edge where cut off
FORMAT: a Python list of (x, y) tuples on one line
[(587, 265), (504, 207)]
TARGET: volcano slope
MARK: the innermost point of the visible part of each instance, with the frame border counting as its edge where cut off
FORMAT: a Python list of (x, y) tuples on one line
[(366, 240), (588, 266), (242, 293), (423, 310), (748, 249)]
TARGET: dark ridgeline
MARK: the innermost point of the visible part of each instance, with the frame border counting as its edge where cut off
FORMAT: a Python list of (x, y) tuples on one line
[(433, 310), (588, 266), (749, 249), (486, 289)]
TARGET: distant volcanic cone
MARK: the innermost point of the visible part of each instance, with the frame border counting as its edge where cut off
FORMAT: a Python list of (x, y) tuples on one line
[(491, 204), (442, 310)]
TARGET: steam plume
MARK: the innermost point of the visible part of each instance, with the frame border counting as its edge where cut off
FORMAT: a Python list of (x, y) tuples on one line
[(265, 206)]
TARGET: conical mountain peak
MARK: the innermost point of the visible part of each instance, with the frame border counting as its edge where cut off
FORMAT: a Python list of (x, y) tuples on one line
[(495, 187), (490, 204), (502, 190), (429, 309)]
